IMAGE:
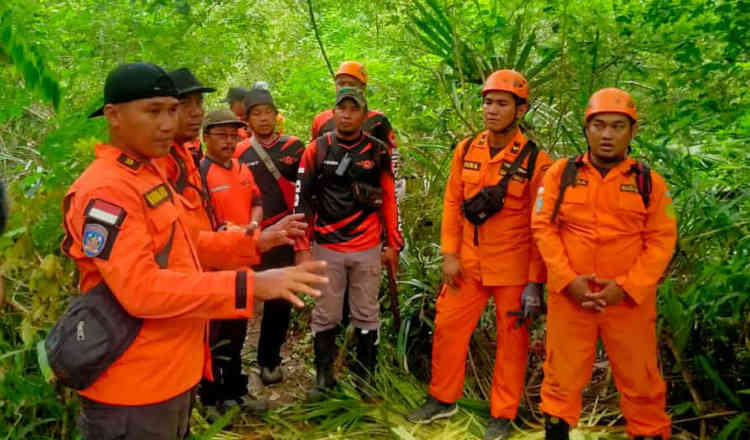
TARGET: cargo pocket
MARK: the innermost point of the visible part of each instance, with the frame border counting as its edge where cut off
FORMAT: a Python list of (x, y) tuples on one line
[(631, 209), (162, 218), (514, 198), (470, 179)]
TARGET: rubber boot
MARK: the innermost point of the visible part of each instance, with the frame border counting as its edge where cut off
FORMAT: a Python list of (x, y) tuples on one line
[(555, 428), (325, 354), (367, 355)]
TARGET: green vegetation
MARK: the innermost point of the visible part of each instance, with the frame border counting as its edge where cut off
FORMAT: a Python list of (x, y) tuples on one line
[(686, 62)]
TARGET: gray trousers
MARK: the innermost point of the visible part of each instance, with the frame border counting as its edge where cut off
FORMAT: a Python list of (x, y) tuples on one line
[(361, 271), (168, 420)]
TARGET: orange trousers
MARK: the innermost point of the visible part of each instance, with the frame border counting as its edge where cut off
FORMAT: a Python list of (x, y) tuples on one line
[(628, 332), (458, 311)]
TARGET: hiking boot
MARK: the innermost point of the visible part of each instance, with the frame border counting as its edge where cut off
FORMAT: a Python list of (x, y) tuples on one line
[(555, 428), (367, 355), (325, 351), (498, 429), (271, 375), (432, 410)]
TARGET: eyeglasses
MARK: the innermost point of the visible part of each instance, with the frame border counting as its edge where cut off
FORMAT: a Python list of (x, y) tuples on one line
[(226, 136)]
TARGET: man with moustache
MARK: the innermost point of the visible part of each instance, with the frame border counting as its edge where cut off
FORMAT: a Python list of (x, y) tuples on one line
[(606, 227)]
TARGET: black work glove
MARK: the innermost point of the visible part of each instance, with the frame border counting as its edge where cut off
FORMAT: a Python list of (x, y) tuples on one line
[(532, 304)]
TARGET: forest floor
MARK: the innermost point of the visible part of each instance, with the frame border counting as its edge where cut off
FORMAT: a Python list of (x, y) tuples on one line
[(347, 416)]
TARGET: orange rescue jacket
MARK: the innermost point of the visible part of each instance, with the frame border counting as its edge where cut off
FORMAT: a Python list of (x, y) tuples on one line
[(603, 228), (118, 215), (506, 255)]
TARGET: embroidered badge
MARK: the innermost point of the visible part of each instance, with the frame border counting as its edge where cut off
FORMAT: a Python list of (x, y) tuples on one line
[(469, 165), (129, 162), (94, 239), (629, 188), (220, 188), (157, 195), (539, 203), (105, 212), (582, 182), (289, 160), (366, 164)]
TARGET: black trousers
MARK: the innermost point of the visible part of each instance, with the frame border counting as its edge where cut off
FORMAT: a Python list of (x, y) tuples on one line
[(168, 420), (275, 323), (226, 339)]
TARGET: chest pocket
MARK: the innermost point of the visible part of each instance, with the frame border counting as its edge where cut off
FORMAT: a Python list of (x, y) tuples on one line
[(470, 177), (572, 208), (163, 220), (514, 198), (631, 208)]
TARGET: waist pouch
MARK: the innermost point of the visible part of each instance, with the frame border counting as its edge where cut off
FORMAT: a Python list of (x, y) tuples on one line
[(93, 332), (367, 195), (486, 203)]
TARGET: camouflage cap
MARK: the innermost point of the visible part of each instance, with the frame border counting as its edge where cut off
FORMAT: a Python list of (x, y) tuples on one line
[(222, 117), (351, 93)]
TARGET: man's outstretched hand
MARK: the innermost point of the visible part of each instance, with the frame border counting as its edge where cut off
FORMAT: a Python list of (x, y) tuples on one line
[(281, 233), (287, 282)]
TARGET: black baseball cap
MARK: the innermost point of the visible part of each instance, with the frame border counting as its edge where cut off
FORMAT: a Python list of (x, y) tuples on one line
[(186, 82), (257, 97), (129, 82), (235, 94)]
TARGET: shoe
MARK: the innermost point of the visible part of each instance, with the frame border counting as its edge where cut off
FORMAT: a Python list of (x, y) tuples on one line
[(325, 351), (555, 428), (248, 404), (271, 375), (367, 354), (211, 414), (432, 410), (498, 429)]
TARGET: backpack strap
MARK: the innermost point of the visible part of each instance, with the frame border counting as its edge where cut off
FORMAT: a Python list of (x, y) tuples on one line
[(466, 147), (531, 164), (643, 181), (569, 176), (265, 158), (205, 165), (321, 151)]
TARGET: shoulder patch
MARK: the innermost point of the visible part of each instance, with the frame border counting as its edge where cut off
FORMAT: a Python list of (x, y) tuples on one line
[(157, 195), (129, 162), (105, 213), (94, 239), (629, 188), (470, 165)]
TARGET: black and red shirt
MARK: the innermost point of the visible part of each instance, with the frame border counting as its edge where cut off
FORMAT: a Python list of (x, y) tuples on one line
[(278, 195), (340, 222), (376, 125)]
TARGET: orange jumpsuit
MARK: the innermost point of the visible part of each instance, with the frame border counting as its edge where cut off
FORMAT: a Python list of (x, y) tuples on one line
[(119, 215), (603, 228), (500, 266), (225, 249)]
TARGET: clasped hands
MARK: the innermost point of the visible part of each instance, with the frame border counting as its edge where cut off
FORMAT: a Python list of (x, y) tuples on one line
[(612, 294)]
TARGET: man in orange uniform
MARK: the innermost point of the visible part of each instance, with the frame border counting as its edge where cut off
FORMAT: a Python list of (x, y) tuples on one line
[(236, 200), (346, 189), (489, 254), (273, 160), (607, 235), (125, 228)]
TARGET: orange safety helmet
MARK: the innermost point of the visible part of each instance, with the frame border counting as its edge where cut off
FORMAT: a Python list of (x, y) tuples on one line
[(611, 100), (507, 80), (353, 68)]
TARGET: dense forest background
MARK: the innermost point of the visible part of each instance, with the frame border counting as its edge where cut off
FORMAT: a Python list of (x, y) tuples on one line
[(686, 62)]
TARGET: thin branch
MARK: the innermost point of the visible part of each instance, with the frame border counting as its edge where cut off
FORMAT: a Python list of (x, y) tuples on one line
[(317, 37)]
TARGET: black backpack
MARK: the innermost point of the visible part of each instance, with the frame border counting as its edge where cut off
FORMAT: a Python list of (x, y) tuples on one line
[(570, 175)]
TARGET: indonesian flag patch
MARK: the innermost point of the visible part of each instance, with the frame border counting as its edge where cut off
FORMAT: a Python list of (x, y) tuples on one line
[(100, 229)]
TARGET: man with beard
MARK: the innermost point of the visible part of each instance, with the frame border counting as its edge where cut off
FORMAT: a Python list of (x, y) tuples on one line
[(488, 252), (273, 160)]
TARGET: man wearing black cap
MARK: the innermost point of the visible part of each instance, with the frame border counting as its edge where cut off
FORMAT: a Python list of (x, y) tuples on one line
[(126, 233), (346, 186), (273, 160)]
